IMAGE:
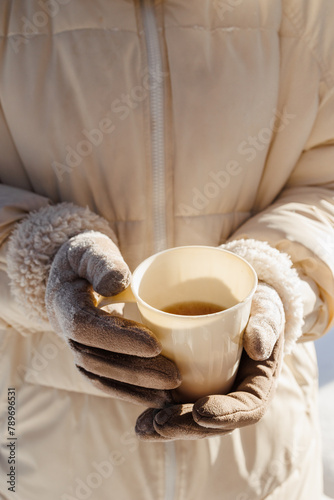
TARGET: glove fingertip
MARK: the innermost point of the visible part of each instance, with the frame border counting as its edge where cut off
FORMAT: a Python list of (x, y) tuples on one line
[(259, 341), (146, 349), (257, 353), (205, 408), (144, 424), (114, 281), (150, 345)]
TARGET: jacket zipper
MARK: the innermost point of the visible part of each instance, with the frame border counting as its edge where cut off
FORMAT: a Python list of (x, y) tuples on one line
[(158, 178), (157, 125)]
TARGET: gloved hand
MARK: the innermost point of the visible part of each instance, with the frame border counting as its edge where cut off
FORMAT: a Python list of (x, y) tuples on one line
[(117, 355), (252, 391)]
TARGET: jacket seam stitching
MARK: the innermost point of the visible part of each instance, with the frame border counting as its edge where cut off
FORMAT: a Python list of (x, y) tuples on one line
[(326, 73), (56, 33), (227, 29), (220, 214)]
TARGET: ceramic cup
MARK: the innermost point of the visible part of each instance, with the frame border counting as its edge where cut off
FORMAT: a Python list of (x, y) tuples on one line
[(206, 347)]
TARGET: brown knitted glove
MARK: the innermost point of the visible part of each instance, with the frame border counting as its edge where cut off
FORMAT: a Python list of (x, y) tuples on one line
[(119, 356), (213, 415), (274, 325)]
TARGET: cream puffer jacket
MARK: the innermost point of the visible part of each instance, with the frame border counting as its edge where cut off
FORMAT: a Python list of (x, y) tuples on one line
[(180, 123)]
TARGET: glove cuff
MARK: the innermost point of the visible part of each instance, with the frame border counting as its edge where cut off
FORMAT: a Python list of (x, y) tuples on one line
[(275, 268), (33, 245)]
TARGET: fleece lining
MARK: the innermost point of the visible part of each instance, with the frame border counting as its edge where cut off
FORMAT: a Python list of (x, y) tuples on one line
[(275, 268), (33, 245)]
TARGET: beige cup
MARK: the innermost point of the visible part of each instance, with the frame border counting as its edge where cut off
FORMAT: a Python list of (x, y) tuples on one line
[(206, 348)]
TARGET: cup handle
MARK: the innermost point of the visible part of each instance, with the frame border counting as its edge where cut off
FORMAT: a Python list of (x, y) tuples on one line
[(124, 296)]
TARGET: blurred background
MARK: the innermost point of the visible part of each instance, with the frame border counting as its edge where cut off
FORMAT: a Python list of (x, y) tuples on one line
[(325, 353)]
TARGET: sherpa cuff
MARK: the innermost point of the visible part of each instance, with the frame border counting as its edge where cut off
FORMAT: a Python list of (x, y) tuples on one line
[(33, 245), (275, 268)]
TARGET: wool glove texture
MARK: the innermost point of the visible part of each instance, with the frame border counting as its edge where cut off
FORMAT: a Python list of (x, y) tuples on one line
[(118, 355), (252, 391), (274, 325), (60, 259)]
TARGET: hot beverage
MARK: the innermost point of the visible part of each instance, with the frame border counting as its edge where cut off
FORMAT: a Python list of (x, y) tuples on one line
[(193, 308)]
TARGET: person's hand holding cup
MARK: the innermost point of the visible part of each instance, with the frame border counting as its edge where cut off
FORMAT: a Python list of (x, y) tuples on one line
[(196, 300), (275, 321), (117, 355), (195, 303)]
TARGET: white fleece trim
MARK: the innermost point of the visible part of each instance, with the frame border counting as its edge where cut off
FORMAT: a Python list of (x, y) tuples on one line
[(275, 268), (33, 245)]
